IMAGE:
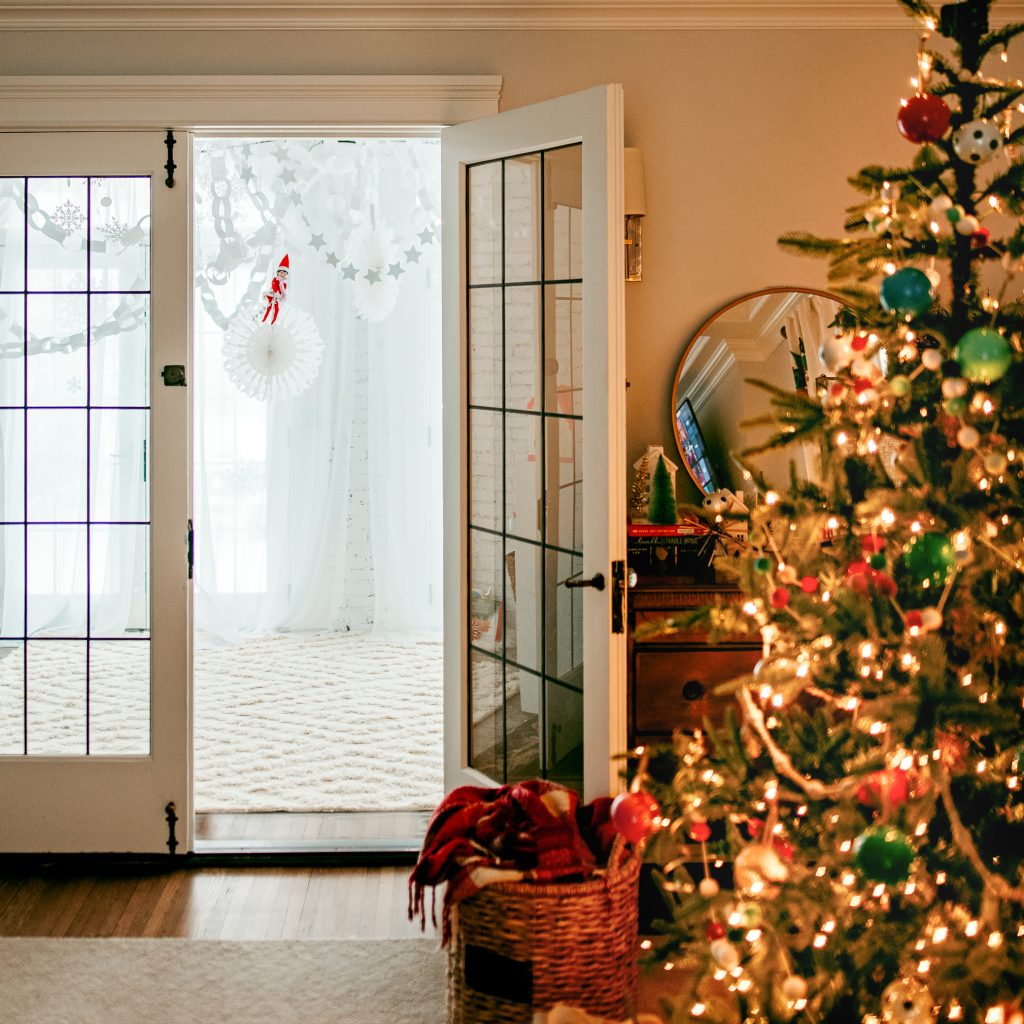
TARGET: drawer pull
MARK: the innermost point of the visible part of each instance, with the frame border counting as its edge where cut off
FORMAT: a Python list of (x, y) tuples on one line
[(692, 690)]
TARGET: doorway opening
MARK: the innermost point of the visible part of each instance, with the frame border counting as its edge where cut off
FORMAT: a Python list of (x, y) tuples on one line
[(317, 488)]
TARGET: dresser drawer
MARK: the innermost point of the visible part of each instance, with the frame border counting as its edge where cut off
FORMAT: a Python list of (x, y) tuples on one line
[(672, 689)]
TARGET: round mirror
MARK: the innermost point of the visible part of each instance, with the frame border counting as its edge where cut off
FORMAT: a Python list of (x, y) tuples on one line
[(774, 336)]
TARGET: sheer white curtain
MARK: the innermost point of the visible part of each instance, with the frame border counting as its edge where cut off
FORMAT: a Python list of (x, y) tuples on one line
[(320, 511)]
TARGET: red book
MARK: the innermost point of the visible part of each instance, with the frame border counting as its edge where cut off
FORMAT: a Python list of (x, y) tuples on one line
[(689, 528)]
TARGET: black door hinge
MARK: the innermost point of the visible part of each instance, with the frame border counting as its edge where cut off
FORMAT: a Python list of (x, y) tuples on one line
[(618, 597), (190, 541), (170, 165)]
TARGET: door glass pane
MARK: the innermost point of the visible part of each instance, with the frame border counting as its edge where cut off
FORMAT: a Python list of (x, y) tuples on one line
[(522, 724), (12, 234), (12, 697), (58, 254), (57, 325), (487, 715), (526, 359), (485, 484), (483, 186), (56, 689), (74, 496), (522, 218), (12, 348), (523, 347), (119, 697)]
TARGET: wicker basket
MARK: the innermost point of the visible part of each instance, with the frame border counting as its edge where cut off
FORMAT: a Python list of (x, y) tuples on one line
[(517, 947)]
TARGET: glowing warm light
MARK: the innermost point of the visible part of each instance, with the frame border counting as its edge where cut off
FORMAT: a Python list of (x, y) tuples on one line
[(971, 929), (771, 498), (697, 1009)]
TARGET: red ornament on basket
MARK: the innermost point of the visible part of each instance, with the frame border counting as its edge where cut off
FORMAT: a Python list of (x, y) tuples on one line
[(923, 118), (888, 786), (635, 815)]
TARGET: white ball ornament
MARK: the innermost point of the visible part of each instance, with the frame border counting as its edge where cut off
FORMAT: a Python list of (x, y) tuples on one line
[(836, 352), (931, 619), (968, 438), (967, 225), (724, 953), (995, 463), (793, 988), (954, 387), (891, 192), (708, 888), (932, 359), (940, 204), (977, 141), (907, 1001)]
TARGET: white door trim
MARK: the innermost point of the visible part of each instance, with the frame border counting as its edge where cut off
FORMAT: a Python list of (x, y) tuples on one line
[(236, 102)]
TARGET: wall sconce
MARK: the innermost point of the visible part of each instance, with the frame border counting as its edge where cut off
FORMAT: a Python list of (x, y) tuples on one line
[(636, 207)]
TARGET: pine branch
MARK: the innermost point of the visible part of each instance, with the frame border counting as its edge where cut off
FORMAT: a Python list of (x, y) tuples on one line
[(1008, 183), (919, 10), (1001, 36), (810, 244), (1006, 100)]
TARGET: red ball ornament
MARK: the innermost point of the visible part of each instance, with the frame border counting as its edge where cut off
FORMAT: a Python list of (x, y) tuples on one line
[(884, 582), (700, 832), (634, 814), (859, 583), (862, 384), (872, 544), (715, 930), (858, 567), (779, 597), (913, 620), (836, 389), (809, 584), (859, 342), (888, 786), (980, 238), (923, 118)]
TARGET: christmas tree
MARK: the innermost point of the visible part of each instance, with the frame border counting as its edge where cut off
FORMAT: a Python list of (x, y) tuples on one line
[(867, 792), (662, 508)]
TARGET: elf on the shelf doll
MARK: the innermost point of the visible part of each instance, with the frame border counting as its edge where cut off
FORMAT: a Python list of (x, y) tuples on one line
[(278, 287)]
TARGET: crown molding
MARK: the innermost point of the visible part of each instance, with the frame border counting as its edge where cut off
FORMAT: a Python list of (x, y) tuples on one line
[(237, 102), (420, 15)]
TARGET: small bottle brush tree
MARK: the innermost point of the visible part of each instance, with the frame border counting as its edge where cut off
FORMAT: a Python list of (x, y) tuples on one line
[(868, 791), (662, 508)]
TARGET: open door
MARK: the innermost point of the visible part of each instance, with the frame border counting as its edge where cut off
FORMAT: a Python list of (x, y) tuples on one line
[(534, 444), (94, 576)]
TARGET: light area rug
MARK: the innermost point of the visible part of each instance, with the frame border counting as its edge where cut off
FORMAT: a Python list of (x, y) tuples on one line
[(289, 722), (167, 981)]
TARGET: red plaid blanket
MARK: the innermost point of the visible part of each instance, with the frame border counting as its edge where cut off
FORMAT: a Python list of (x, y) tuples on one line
[(530, 830)]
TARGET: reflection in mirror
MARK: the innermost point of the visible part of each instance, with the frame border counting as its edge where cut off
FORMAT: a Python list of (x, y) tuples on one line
[(773, 336)]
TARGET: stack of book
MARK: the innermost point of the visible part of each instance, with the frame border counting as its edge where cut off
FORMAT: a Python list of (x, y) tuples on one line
[(681, 549)]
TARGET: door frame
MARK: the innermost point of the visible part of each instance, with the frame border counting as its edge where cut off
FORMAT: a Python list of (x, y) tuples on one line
[(569, 119), (358, 105)]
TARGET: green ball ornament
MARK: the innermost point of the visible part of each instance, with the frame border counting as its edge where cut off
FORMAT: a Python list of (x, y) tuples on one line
[(955, 406), (877, 561), (883, 854), (984, 355), (928, 559), (907, 292), (762, 563), (900, 385)]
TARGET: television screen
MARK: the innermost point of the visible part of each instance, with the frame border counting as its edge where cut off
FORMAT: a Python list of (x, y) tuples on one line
[(694, 450)]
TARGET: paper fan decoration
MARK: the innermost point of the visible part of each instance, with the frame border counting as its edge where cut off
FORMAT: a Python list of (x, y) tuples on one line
[(270, 362), (372, 251)]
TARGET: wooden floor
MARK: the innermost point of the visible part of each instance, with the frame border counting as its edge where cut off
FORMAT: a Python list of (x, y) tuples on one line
[(208, 903), (299, 827)]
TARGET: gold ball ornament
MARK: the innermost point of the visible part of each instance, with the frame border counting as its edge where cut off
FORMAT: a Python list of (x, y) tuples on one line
[(757, 867), (907, 1001)]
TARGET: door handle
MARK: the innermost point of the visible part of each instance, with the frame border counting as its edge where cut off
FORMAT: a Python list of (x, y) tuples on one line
[(596, 581)]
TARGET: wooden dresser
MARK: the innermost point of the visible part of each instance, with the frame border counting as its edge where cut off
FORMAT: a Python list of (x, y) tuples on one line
[(671, 677)]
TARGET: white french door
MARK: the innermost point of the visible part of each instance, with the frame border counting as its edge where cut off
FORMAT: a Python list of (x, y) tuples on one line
[(534, 424), (94, 639)]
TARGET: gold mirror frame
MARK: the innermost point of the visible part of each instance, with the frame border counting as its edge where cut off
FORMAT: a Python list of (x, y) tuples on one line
[(704, 328)]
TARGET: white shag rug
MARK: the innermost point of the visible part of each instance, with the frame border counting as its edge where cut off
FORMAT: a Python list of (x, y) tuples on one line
[(293, 722), (165, 981)]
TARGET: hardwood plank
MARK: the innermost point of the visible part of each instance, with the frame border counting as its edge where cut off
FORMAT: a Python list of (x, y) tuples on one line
[(105, 905)]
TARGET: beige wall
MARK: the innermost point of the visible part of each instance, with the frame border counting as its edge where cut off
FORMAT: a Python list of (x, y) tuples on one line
[(745, 135)]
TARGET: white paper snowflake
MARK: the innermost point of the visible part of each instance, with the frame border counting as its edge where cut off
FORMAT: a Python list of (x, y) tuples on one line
[(375, 298), (68, 216), (371, 248), (270, 362)]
